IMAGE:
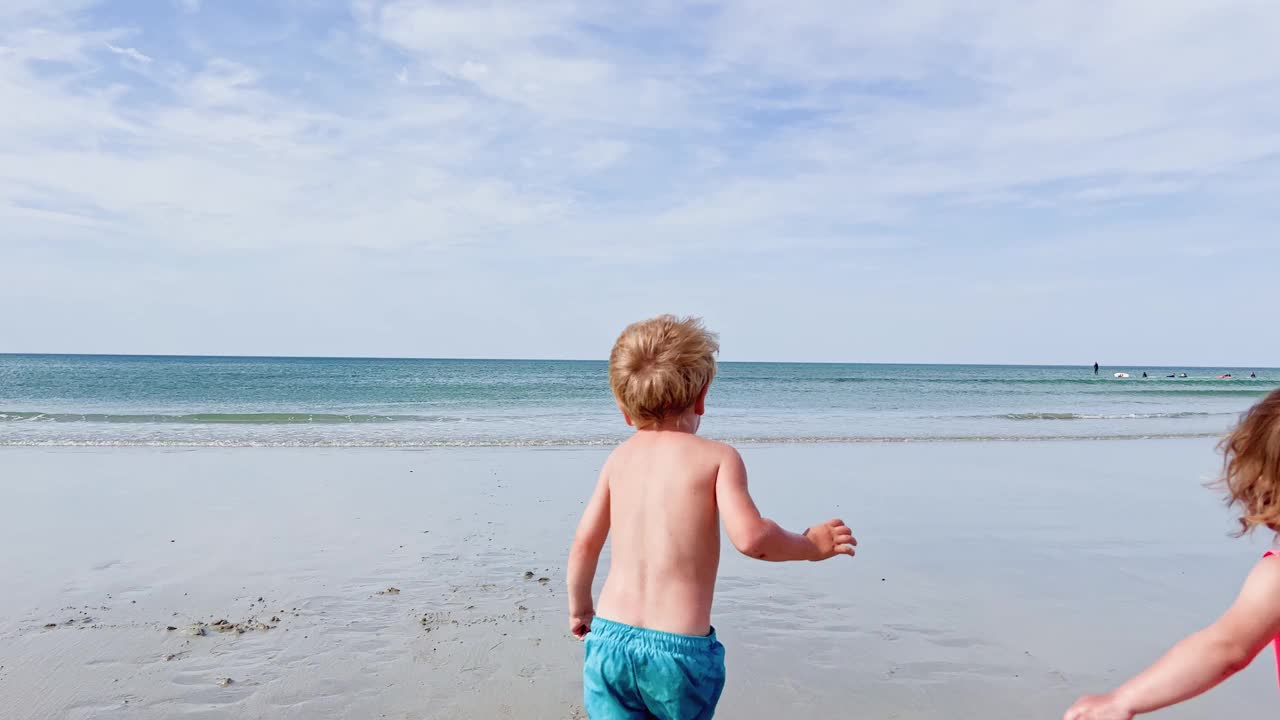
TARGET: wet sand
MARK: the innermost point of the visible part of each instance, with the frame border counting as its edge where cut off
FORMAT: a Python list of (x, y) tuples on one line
[(995, 580)]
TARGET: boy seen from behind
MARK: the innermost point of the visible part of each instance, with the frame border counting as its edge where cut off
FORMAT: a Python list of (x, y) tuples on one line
[(651, 651)]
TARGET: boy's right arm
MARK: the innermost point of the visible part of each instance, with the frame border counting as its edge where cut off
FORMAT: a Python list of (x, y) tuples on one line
[(584, 555), (761, 538), (1202, 660)]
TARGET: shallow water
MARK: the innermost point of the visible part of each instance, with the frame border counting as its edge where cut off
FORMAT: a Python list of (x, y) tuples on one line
[(67, 400)]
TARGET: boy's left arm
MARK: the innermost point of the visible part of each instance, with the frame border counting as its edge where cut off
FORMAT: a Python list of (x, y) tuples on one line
[(593, 530)]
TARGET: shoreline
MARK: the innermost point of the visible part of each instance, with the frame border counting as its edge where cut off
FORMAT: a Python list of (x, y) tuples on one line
[(606, 443)]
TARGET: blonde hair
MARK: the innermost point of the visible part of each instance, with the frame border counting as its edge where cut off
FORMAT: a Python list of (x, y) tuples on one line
[(1251, 466), (659, 366)]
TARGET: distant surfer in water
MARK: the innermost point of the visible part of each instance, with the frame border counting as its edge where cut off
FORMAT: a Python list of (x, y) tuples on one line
[(1095, 368), (1144, 373)]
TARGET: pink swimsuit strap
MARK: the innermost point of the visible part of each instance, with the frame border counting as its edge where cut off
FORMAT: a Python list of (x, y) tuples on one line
[(1276, 642)]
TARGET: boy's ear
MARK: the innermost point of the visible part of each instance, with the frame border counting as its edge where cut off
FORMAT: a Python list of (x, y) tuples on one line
[(626, 416), (700, 405)]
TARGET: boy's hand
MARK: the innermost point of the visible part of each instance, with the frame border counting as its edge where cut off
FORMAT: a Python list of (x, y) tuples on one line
[(1098, 707), (831, 538), (580, 625)]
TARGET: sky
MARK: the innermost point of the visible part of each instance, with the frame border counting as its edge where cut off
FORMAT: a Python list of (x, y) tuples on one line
[(821, 180)]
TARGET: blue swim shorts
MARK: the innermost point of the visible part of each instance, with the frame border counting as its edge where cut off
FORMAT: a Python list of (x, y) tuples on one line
[(632, 672)]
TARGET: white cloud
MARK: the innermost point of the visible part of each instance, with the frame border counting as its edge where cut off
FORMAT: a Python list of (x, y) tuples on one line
[(601, 155), (892, 106), (931, 99), (15, 12), (131, 53), (190, 6), (223, 82), (535, 55), (645, 132)]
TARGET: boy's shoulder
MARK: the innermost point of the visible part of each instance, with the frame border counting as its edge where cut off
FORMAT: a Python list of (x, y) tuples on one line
[(715, 449), (721, 449)]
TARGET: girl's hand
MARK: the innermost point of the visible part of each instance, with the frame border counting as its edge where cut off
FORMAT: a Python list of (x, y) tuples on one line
[(1098, 707)]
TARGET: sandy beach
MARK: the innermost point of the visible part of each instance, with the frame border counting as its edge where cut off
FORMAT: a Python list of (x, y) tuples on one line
[(320, 319), (995, 580)]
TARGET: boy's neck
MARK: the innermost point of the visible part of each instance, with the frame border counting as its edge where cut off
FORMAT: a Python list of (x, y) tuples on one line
[(686, 422)]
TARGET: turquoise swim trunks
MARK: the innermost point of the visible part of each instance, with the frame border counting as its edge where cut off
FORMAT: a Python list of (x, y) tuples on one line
[(632, 672)]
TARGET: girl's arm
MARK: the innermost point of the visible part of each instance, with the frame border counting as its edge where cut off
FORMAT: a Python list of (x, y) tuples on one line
[(1202, 660)]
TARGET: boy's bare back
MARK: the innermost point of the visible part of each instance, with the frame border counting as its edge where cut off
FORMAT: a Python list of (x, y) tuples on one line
[(662, 496), (666, 531)]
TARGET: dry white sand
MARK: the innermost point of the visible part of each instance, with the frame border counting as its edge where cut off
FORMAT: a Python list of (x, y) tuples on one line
[(996, 580)]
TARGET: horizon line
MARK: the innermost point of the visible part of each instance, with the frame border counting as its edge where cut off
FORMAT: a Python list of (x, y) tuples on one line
[(605, 360)]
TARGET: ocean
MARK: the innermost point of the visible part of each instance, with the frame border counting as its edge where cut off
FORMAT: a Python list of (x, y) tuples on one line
[(82, 400)]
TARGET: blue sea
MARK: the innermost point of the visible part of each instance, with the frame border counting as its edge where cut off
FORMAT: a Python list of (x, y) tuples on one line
[(82, 400)]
